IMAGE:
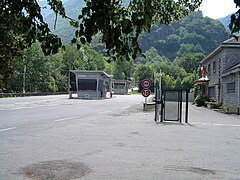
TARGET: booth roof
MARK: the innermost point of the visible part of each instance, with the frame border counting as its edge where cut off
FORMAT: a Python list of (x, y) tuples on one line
[(202, 80), (91, 72)]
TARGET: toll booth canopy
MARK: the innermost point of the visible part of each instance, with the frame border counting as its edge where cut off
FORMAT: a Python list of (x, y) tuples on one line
[(92, 84)]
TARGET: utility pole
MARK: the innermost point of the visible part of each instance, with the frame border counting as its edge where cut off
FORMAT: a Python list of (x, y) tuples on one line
[(160, 84), (24, 79)]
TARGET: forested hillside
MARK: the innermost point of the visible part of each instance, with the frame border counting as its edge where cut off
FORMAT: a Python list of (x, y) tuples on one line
[(193, 33)]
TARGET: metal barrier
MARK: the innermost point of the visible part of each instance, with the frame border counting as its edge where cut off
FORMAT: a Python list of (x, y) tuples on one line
[(169, 105), (5, 95)]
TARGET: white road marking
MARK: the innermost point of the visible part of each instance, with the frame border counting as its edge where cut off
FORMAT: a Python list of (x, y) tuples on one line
[(16, 108), (214, 124), (104, 112), (7, 129), (232, 125), (125, 107), (65, 119), (138, 103), (22, 103)]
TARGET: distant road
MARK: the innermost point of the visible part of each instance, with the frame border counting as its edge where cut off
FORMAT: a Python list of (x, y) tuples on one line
[(15, 112)]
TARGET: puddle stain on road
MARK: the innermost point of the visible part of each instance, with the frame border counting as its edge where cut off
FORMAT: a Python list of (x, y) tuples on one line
[(197, 170), (55, 170)]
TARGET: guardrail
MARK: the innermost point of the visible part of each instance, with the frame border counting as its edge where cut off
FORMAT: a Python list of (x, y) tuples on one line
[(3, 95)]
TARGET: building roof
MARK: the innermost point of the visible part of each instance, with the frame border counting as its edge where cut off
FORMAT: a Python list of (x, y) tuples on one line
[(233, 70), (121, 81), (232, 42), (91, 72), (202, 80)]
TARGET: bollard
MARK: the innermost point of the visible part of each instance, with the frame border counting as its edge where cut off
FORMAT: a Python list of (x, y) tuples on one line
[(70, 94)]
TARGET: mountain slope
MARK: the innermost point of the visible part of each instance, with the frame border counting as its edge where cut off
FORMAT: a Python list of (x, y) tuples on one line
[(63, 28), (192, 33), (225, 21)]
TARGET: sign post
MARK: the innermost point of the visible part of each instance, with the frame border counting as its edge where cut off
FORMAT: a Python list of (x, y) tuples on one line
[(146, 83)]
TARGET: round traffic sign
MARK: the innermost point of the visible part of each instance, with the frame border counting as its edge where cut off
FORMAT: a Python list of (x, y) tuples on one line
[(146, 83), (146, 92)]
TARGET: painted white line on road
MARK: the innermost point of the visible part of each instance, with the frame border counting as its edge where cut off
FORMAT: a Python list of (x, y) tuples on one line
[(214, 124), (20, 103), (104, 112), (17, 108), (125, 107), (138, 103), (232, 125), (65, 119), (7, 129)]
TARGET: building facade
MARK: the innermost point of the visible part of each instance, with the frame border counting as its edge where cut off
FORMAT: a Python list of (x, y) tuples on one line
[(223, 71), (121, 86)]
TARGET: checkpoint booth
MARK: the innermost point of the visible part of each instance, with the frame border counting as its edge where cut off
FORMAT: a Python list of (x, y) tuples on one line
[(121, 86), (92, 84)]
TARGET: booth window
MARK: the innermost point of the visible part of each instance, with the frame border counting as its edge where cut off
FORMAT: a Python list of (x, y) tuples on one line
[(87, 84)]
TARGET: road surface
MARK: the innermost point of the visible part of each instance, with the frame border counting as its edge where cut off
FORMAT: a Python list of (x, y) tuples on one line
[(53, 137)]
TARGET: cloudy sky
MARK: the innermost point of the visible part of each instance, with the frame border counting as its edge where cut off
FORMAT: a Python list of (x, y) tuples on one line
[(218, 8)]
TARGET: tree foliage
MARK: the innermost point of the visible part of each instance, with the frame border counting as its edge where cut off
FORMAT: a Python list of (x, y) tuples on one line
[(21, 24), (234, 25), (50, 73), (121, 26)]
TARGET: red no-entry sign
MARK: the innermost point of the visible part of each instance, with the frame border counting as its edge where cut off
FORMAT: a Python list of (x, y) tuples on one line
[(146, 92)]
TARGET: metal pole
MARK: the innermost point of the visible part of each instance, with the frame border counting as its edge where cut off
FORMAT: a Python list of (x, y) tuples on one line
[(157, 105), (159, 97), (238, 94), (24, 79), (186, 116), (145, 106), (155, 90), (162, 104), (180, 100), (160, 83)]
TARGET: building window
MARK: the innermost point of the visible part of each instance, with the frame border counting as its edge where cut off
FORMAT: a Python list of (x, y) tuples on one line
[(214, 66), (87, 84), (209, 69), (211, 92), (230, 87)]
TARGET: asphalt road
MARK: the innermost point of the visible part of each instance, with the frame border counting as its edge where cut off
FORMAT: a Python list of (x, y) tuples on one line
[(53, 137)]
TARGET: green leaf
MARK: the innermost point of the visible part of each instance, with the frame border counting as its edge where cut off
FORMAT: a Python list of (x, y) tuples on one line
[(83, 40), (80, 17), (74, 40), (76, 33)]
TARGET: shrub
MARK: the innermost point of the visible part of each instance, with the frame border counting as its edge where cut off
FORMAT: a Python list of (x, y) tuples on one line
[(201, 100)]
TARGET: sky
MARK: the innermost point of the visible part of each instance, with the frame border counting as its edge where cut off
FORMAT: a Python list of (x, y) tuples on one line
[(216, 9)]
